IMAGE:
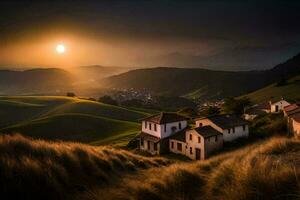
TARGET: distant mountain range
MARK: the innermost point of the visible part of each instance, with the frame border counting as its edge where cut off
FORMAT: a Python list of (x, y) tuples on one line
[(187, 82), (202, 83), (243, 58), (35, 81)]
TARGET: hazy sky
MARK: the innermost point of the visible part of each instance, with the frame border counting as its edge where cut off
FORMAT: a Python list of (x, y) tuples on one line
[(230, 35)]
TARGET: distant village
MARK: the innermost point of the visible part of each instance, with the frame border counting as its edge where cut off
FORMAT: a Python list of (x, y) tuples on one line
[(168, 132)]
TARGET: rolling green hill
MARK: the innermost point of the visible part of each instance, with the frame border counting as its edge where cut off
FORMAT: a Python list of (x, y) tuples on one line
[(290, 91), (65, 118)]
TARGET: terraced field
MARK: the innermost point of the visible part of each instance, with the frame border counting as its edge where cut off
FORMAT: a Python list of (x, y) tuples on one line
[(71, 119)]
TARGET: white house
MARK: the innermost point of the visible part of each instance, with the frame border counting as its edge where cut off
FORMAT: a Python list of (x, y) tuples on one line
[(157, 128), (231, 126), (278, 106), (197, 143)]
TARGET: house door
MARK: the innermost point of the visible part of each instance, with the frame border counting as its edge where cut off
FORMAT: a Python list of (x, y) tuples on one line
[(148, 145), (198, 154), (276, 108)]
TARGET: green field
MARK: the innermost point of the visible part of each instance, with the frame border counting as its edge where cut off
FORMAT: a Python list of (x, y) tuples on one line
[(290, 91), (71, 119)]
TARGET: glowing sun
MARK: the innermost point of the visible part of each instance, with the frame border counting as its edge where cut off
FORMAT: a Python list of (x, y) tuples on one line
[(60, 48)]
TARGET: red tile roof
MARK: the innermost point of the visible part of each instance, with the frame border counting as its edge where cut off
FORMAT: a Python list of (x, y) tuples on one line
[(291, 109), (165, 117)]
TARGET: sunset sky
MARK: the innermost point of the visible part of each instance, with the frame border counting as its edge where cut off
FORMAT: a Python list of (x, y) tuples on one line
[(227, 35)]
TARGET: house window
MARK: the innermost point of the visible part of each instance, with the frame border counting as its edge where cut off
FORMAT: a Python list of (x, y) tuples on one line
[(229, 131), (155, 127), (148, 145), (233, 129), (179, 146), (155, 147), (179, 125), (191, 137), (142, 142), (244, 127), (216, 139), (191, 150), (172, 145), (200, 125), (145, 124), (165, 127), (199, 139), (150, 126)]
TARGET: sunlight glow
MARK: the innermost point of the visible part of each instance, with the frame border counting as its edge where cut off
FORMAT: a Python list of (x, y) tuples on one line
[(60, 48)]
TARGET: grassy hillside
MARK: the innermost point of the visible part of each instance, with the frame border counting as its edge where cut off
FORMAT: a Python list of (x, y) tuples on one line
[(57, 170), (290, 91), (268, 170), (35, 169), (73, 119)]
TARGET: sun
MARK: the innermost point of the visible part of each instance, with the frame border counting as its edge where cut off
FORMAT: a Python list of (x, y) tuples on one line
[(60, 48)]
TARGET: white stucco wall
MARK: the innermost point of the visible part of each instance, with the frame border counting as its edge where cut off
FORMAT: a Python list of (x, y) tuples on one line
[(239, 133), (227, 137), (160, 131), (281, 104)]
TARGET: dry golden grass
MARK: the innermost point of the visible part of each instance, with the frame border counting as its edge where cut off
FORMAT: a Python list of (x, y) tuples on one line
[(36, 169), (269, 170)]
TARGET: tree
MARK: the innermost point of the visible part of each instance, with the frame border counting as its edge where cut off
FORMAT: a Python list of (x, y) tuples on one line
[(71, 94), (108, 100), (236, 106)]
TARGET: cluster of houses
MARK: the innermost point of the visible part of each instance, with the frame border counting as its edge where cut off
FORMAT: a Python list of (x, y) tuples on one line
[(169, 132), (290, 111)]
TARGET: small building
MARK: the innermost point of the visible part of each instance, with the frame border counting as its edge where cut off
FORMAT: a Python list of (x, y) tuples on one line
[(231, 126), (292, 113), (197, 144), (278, 106), (157, 128)]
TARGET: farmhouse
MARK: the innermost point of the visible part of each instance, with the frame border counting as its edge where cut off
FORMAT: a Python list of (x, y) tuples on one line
[(197, 143), (157, 128), (278, 106), (168, 132), (231, 126)]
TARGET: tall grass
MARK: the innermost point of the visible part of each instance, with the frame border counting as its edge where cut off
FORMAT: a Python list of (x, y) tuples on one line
[(269, 170), (36, 169)]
